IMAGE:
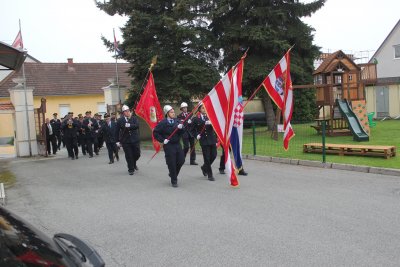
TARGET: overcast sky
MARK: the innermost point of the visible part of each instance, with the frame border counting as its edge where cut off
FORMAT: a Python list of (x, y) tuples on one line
[(55, 30)]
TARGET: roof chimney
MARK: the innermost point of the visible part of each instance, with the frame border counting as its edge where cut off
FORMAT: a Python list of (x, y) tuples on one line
[(70, 63)]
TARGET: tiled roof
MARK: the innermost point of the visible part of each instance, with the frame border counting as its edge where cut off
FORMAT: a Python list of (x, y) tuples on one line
[(67, 78), (331, 61), (6, 106)]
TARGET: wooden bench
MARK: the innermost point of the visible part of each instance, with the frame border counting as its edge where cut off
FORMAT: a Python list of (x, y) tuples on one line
[(2, 194), (360, 150)]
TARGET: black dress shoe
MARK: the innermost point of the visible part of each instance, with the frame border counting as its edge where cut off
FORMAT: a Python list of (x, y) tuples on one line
[(221, 171), (90, 156), (174, 185), (211, 178), (242, 172), (194, 163), (204, 172), (97, 153), (136, 167), (111, 162), (130, 172)]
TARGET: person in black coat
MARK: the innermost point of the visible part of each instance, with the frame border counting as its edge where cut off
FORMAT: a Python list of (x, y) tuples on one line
[(208, 141), (90, 128), (187, 137), (56, 125), (51, 142), (70, 128), (127, 134), (172, 147), (108, 130)]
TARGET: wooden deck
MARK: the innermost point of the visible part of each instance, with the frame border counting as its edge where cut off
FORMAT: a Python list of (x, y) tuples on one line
[(343, 149)]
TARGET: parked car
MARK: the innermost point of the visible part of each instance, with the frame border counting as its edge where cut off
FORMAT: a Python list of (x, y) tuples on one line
[(21, 244)]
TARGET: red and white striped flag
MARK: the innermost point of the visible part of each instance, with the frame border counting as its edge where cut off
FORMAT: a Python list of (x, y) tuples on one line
[(278, 85), (288, 106), (18, 41), (220, 104)]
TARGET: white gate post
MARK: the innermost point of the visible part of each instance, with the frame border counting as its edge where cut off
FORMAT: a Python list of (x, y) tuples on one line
[(25, 140)]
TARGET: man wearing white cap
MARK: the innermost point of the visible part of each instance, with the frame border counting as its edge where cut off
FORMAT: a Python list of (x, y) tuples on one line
[(172, 146), (187, 137), (127, 134)]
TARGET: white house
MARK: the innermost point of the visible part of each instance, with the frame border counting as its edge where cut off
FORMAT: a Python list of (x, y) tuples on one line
[(384, 96)]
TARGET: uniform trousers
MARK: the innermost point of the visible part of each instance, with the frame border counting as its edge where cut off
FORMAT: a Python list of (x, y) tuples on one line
[(188, 144), (132, 154), (112, 149), (72, 146), (174, 158), (51, 144), (209, 155)]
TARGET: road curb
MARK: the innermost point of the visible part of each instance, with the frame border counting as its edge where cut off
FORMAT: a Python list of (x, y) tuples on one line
[(327, 165)]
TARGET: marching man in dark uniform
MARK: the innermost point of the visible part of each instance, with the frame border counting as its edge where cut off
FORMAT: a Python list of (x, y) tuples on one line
[(108, 129), (70, 129), (172, 147), (208, 141), (187, 137), (127, 134), (56, 124), (90, 127)]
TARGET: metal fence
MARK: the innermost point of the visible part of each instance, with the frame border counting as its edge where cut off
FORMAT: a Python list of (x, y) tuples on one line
[(258, 140)]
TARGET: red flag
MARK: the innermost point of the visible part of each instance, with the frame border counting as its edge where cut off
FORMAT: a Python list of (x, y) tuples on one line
[(278, 85), (18, 41), (149, 109), (288, 106), (220, 104)]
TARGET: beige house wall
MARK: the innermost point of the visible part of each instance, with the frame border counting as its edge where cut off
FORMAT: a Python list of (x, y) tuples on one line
[(77, 104), (394, 99)]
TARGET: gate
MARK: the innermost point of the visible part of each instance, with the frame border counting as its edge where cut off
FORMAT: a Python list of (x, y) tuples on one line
[(40, 115)]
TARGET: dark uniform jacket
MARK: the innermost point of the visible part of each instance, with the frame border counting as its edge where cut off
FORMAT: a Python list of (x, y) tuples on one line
[(188, 131), (109, 133), (164, 129), (90, 131), (70, 130), (129, 135), (206, 132), (56, 126)]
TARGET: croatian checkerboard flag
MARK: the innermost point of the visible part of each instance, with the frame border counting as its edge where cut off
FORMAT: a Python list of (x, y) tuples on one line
[(237, 130), (220, 104)]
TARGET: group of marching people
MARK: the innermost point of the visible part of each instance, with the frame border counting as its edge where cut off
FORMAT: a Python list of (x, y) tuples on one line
[(172, 129), (90, 132)]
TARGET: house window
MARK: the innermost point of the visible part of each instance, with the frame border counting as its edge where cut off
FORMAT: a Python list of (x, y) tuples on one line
[(318, 79), (397, 51), (63, 109), (101, 108)]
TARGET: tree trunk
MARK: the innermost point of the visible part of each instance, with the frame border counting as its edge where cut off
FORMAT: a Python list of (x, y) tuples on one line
[(269, 111)]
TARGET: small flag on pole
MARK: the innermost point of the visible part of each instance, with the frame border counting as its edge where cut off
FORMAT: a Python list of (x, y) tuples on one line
[(18, 43)]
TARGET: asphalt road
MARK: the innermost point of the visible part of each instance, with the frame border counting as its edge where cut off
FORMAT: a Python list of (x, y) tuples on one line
[(282, 215)]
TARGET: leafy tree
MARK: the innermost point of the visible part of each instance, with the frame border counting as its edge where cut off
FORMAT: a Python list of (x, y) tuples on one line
[(268, 29), (176, 32)]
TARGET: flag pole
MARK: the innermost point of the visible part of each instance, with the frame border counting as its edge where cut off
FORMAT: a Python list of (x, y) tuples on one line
[(116, 69), (26, 101)]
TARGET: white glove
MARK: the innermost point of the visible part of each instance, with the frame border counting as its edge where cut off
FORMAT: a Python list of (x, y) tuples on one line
[(198, 137), (127, 125), (208, 122), (180, 126), (118, 144), (189, 121), (166, 141)]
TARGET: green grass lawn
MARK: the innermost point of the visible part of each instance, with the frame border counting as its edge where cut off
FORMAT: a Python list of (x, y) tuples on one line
[(385, 133)]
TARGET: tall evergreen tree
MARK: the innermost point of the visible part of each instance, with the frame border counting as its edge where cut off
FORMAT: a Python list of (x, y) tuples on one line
[(268, 29), (176, 32)]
